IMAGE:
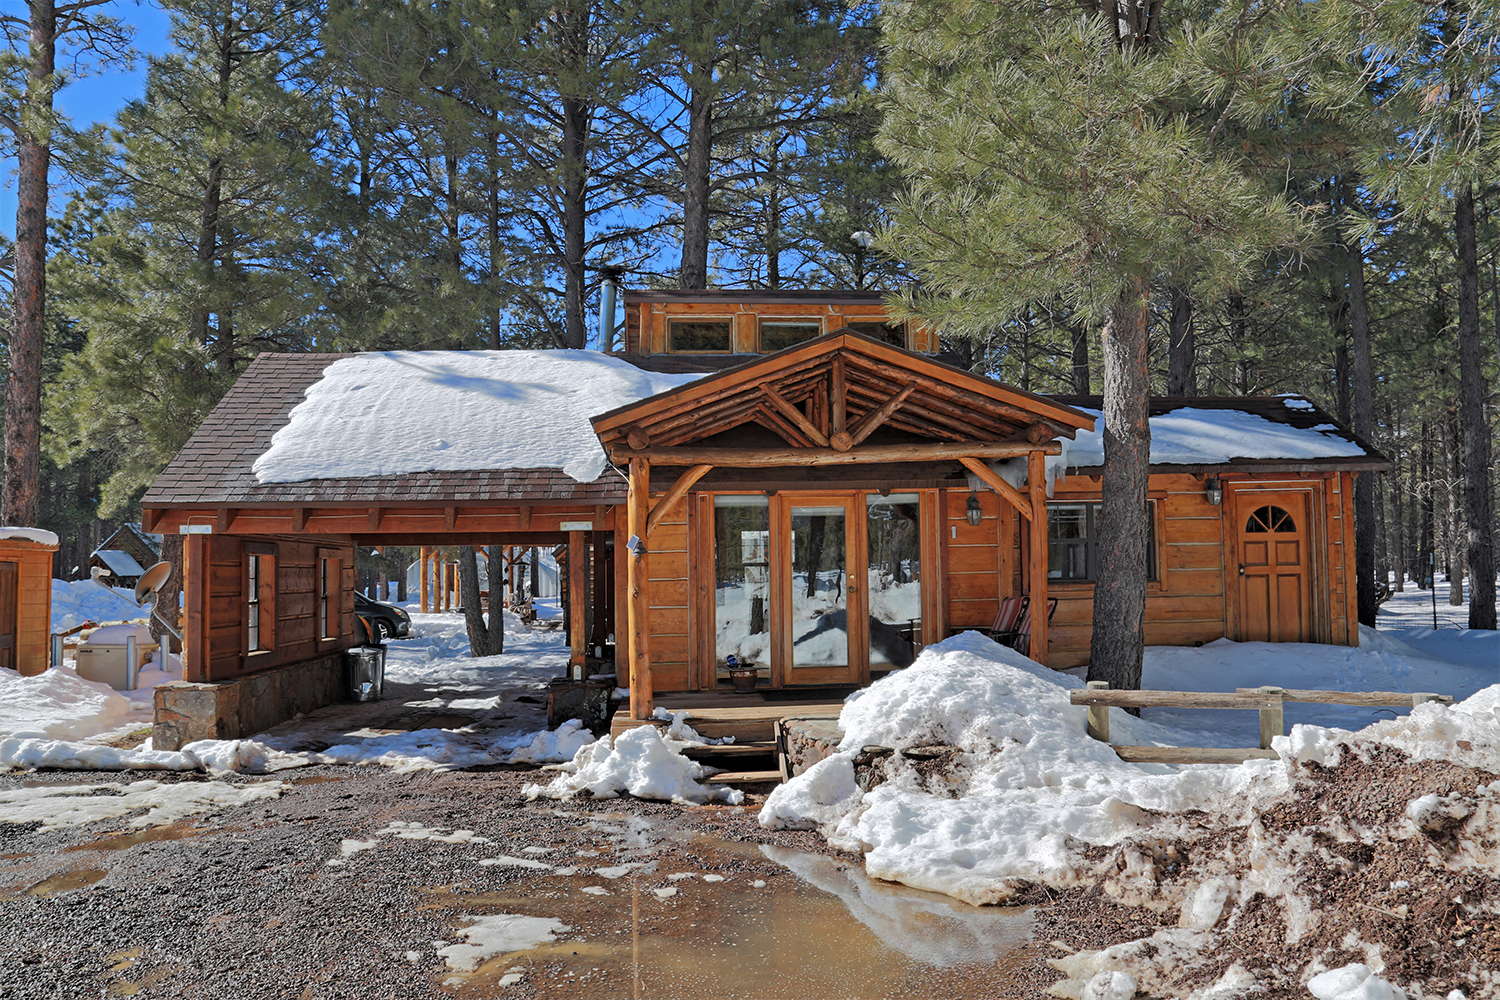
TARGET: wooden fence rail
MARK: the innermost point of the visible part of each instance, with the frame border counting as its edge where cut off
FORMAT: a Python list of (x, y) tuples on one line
[(1268, 701)]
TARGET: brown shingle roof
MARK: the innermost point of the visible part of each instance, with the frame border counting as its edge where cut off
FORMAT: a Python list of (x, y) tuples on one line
[(214, 467)]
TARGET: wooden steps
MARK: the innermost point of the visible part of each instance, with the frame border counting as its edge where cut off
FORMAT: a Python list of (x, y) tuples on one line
[(748, 718), (744, 778)]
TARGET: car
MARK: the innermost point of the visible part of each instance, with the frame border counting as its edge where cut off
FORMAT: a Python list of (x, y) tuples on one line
[(385, 621)]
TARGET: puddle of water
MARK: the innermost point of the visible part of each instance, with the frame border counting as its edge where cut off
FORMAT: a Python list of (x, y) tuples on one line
[(318, 779), (12, 857), (821, 928), (121, 841), (66, 882)]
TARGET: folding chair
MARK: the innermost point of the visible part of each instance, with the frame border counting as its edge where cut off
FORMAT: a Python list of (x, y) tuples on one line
[(1022, 638)]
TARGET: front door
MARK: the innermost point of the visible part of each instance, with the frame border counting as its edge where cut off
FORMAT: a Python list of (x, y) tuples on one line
[(819, 598), (8, 578), (1274, 566)]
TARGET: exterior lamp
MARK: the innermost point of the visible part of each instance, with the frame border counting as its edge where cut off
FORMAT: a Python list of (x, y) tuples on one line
[(971, 509), (1213, 490)]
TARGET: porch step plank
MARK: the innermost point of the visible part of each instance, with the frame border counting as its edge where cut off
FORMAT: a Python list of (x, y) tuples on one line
[(747, 722), (735, 749), (744, 778)]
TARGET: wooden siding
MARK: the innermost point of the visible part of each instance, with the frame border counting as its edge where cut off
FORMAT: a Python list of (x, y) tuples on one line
[(668, 601), (217, 639), (646, 322), (33, 602)]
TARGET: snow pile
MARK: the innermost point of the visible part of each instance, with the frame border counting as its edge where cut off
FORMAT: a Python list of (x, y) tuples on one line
[(39, 535), (414, 411), (1192, 435), (86, 601), (1352, 982), (58, 704), (640, 762), (1029, 787), (75, 805)]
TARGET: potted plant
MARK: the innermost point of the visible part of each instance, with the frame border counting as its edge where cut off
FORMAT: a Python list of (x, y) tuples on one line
[(742, 674)]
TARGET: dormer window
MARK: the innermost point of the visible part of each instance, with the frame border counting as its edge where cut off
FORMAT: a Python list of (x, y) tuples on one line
[(701, 336), (779, 334)]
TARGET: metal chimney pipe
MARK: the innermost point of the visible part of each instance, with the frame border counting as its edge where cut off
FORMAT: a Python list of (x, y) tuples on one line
[(609, 277)]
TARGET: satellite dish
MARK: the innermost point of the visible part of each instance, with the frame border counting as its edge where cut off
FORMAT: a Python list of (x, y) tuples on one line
[(152, 581)]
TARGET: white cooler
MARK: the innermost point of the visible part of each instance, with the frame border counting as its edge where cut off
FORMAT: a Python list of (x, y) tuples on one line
[(101, 657)]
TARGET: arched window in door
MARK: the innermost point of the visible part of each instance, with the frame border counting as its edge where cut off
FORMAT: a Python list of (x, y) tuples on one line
[(1269, 518)]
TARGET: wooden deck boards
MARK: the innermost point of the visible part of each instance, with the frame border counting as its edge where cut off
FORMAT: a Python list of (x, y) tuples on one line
[(748, 718)]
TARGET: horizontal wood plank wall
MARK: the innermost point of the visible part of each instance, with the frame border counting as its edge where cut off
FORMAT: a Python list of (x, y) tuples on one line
[(295, 636), (980, 559), (1345, 606), (669, 602), (32, 642), (1186, 604)]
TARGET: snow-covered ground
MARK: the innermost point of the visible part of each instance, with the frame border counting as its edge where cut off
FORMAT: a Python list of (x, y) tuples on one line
[(79, 601)]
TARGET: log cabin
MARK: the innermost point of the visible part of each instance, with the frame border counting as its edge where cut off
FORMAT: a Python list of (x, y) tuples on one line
[(788, 479)]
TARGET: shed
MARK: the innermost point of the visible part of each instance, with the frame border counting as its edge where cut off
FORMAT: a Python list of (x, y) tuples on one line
[(25, 598), (119, 564)]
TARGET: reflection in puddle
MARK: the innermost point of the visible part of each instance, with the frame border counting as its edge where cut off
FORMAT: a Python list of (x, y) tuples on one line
[(121, 841), (823, 929), (66, 882)]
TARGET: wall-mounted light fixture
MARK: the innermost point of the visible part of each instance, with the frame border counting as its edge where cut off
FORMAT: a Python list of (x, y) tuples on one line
[(1213, 490), (971, 509)]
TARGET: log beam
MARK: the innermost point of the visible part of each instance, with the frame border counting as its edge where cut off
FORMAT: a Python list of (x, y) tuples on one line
[(1036, 483), (759, 458), (992, 479), (674, 495), (838, 396), (796, 416), (637, 583), (868, 425)]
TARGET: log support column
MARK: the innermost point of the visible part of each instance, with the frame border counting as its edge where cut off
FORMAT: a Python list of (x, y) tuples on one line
[(422, 577), (577, 612), (194, 607), (637, 583), (1036, 483)]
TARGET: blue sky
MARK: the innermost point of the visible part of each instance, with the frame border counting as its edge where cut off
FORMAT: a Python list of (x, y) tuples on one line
[(93, 98)]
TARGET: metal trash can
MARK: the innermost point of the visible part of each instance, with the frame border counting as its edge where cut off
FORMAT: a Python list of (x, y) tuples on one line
[(364, 669)]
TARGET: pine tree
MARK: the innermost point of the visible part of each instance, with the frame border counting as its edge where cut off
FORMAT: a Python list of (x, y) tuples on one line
[(1046, 161)]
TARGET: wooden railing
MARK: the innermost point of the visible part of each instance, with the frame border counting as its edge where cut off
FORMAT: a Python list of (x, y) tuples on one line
[(1268, 701)]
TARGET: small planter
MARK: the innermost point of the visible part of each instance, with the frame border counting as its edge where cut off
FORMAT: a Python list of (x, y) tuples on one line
[(744, 679)]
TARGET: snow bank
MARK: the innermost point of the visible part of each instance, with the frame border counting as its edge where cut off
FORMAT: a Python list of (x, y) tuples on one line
[(86, 601), (414, 411), (1032, 788), (60, 806), (641, 763), (39, 535), (58, 704)]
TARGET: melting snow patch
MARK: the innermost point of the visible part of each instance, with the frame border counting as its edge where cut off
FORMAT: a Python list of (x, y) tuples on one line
[(596, 890), (506, 861), (75, 805), (500, 934), (641, 763), (416, 831), (666, 893), (1353, 982)]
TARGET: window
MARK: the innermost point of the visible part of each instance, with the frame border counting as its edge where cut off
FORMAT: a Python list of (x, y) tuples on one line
[(742, 560), (700, 336), (1270, 519), (252, 604), (779, 334), (890, 333), (328, 589), (1073, 541), (260, 597)]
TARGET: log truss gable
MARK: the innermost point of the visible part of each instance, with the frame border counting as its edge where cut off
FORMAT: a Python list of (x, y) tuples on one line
[(831, 394)]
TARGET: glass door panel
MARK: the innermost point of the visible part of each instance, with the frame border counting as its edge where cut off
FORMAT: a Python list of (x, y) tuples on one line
[(819, 594), (893, 531), (742, 559)]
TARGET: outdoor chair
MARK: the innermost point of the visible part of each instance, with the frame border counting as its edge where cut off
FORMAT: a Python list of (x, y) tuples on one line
[(1007, 621), (1022, 638)]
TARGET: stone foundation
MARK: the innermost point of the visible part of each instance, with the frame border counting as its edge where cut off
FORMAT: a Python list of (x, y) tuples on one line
[(227, 710)]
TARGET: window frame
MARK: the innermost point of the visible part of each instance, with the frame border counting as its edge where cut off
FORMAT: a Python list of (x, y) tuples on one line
[(760, 328), (261, 639), (672, 321), (1154, 575), (327, 596), (855, 322)]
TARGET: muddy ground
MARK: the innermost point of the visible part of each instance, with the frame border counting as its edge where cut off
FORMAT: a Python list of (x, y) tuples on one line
[(244, 903)]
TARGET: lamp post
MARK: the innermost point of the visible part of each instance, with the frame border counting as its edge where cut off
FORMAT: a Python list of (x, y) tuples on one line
[(862, 241)]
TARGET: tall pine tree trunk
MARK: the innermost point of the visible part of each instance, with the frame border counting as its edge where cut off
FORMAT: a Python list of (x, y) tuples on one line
[(481, 642), (1082, 382), (1478, 498), (1398, 489), (1182, 347), (695, 183), (1363, 407), (574, 178), (1119, 631), (20, 497)]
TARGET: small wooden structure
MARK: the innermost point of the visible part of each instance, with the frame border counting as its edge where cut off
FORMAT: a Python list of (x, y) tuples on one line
[(125, 554), (25, 599)]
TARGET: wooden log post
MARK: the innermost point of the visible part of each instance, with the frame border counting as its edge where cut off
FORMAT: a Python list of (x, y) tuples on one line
[(1272, 719), (1099, 714), (638, 577), (195, 607), (422, 577), (577, 600), (1036, 484)]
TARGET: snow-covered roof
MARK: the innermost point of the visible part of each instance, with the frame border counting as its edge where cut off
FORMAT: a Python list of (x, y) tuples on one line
[(1229, 431), (119, 563), (39, 535), (419, 411)]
